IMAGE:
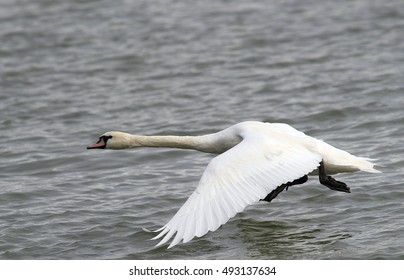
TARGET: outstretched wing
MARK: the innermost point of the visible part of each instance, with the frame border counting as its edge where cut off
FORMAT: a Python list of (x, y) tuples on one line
[(235, 179)]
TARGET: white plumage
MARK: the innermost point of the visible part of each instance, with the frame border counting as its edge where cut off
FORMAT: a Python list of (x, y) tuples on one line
[(254, 159)]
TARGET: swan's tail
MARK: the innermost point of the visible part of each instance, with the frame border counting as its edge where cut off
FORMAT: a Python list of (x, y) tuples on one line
[(337, 160), (351, 163), (366, 164)]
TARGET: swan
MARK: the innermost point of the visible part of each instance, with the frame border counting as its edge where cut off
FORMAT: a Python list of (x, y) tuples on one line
[(255, 162)]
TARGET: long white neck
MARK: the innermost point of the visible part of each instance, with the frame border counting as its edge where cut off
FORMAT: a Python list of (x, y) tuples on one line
[(181, 142), (211, 143)]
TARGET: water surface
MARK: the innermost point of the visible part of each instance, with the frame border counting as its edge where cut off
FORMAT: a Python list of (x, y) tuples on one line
[(71, 70)]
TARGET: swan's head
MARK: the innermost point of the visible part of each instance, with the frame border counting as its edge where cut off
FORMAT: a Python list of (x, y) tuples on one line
[(112, 140)]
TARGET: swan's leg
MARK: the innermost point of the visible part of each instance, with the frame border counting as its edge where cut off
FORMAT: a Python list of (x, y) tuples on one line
[(279, 189), (330, 182)]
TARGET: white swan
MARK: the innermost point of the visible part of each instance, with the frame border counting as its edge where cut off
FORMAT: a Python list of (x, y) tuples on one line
[(256, 162)]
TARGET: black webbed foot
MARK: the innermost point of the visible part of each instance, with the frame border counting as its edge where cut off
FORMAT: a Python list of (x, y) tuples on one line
[(274, 193), (330, 182), (335, 185), (299, 181)]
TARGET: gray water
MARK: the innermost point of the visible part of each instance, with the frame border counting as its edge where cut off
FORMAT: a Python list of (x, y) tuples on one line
[(71, 70)]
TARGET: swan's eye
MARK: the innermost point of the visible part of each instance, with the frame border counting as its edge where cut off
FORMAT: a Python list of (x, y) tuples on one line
[(105, 138)]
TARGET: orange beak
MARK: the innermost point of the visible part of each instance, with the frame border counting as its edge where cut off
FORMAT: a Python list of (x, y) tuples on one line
[(99, 145)]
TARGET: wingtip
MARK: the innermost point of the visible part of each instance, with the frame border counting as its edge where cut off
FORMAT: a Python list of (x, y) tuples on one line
[(161, 244), (147, 230), (171, 245)]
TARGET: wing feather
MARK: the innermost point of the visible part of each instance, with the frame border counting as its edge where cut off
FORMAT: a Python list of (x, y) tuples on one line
[(235, 179)]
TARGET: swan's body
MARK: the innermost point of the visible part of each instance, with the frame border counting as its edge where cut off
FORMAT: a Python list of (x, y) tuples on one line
[(254, 159)]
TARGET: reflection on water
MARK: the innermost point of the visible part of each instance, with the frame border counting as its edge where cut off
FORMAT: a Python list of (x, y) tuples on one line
[(266, 239)]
